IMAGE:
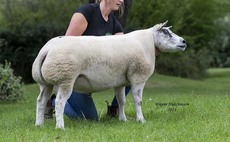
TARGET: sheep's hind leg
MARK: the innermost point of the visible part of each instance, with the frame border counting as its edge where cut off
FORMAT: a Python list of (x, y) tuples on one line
[(63, 93), (44, 96), (120, 95), (137, 90)]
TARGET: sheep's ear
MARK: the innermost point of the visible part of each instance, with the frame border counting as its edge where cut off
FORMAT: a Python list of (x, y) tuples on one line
[(162, 25), (170, 27)]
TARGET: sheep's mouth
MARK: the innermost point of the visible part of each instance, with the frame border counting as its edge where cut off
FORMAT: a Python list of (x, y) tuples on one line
[(182, 46)]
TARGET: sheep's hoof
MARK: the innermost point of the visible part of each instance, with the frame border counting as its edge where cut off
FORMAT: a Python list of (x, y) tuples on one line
[(60, 128), (141, 120), (39, 124), (124, 119)]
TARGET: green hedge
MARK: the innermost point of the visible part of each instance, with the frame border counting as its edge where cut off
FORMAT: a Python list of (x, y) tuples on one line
[(194, 20), (25, 26), (10, 85)]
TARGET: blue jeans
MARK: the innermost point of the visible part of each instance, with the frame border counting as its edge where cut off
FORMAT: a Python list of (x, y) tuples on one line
[(81, 105)]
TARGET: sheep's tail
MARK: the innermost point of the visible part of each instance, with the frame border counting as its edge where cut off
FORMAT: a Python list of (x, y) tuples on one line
[(37, 65)]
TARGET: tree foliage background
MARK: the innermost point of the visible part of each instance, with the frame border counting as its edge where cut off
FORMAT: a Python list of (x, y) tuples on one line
[(26, 25), (197, 22)]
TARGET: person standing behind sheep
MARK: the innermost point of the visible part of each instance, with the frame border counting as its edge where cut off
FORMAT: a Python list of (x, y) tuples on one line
[(94, 19)]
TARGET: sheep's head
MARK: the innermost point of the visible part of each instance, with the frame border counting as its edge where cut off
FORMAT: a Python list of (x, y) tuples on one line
[(165, 40)]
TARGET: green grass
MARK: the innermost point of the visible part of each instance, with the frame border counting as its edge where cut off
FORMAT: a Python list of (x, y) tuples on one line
[(176, 109)]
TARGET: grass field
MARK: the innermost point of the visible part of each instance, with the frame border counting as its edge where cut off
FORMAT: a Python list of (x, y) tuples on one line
[(176, 109)]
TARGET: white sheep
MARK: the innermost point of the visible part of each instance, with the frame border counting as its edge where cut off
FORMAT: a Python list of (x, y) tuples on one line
[(90, 64)]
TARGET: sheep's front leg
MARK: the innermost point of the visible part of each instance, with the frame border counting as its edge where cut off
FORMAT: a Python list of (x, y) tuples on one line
[(45, 93), (137, 90), (120, 95), (63, 93)]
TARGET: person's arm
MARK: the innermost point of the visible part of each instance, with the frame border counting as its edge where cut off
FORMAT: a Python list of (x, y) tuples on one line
[(77, 25), (120, 33)]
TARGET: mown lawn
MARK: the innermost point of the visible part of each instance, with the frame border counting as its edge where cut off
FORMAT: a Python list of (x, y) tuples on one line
[(176, 109)]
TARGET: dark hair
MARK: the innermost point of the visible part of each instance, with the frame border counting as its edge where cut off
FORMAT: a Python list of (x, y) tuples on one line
[(121, 9)]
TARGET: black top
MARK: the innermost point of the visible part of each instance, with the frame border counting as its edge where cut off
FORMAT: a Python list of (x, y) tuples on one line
[(97, 26)]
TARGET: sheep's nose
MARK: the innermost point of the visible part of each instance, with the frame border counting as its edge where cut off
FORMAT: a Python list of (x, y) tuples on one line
[(183, 41)]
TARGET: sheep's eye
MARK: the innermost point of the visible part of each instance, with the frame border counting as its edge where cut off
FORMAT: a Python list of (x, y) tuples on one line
[(166, 32)]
